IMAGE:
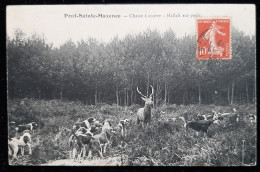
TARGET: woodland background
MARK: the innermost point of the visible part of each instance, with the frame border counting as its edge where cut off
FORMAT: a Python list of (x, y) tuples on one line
[(93, 72)]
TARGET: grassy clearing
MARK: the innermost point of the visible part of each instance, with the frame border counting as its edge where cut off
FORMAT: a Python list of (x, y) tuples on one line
[(162, 143)]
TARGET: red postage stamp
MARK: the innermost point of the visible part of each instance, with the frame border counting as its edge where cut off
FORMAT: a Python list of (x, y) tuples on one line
[(213, 38)]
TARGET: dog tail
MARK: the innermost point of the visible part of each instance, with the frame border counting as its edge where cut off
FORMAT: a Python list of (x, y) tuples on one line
[(185, 123)]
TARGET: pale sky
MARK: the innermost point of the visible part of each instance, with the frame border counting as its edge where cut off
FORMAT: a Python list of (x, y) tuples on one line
[(50, 20)]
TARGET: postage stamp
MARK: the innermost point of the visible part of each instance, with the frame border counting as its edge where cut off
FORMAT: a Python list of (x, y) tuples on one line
[(213, 38)]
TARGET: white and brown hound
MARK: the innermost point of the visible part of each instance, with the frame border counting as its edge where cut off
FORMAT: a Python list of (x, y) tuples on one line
[(252, 118), (31, 126), (100, 141), (73, 144), (86, 123), (79, 143), (14, 144), (122, 127)]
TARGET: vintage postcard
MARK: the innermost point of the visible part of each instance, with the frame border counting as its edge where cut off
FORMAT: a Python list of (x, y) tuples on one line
[(132, 85)]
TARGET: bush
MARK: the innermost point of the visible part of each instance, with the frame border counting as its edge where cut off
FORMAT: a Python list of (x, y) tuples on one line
[(162, 143)]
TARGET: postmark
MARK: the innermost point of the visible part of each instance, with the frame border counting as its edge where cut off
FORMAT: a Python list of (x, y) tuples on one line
[(213, 38)]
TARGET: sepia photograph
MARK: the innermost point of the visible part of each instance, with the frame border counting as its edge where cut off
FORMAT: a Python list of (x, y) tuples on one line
[(131, 85)]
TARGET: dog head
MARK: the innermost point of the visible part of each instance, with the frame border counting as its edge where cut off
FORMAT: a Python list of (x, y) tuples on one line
[(107, 122), (76, 126), (34, 124), (97, 124), (91, 120), (26, 131), (107, 126), (127, 121)]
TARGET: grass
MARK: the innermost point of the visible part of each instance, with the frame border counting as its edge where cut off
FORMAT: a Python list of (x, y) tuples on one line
[(162, 143)]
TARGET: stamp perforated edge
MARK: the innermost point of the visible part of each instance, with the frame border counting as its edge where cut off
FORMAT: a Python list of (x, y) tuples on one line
[(230, 36)]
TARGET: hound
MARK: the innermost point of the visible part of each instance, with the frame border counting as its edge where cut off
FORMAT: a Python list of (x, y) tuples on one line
[(201, 117), (86, 123), (73, 145), (100, 141), (31, 126), (252, 118), (14, 144), (107, 126), (78, 144), (197, 126), (121, 127), (218, 116)]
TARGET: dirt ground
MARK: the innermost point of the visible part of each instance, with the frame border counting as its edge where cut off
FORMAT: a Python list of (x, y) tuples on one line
[(110, 161)]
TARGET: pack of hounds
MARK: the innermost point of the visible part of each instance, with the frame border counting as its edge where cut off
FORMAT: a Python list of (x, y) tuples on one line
[(91, 135), (88, 135)]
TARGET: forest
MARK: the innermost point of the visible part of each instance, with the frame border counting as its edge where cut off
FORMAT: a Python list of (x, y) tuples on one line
[(94, 72)]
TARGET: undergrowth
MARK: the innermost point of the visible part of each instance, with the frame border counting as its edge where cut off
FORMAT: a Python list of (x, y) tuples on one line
[(163, 143)]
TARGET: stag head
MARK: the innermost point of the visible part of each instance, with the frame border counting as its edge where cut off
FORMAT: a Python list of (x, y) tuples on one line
[(148, 100)]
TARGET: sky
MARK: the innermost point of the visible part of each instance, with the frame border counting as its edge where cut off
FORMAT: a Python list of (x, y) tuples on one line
[(50, 20)]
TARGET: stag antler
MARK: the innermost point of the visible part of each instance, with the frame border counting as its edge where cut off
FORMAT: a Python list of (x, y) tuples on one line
[(140, 92), (152, 91)]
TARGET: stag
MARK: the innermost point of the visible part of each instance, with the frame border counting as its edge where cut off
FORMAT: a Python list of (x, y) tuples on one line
[(144, 114)]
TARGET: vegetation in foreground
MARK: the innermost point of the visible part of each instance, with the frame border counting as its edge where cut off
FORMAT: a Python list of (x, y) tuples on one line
[(164, 142)]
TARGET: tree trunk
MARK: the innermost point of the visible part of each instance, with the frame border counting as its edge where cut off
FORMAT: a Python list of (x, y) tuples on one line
[(117, 96), (125, 97), (183, 98), (157, 91), (247, 97), (254, 92), (99, 93), (148, 83), (168, 96), (120, 99), (153, 94), (39, 91), (61, 91), (165, 93), (96, 95), (134, 97), (132, 93), (232, 93), (199, 94), (228, 95)]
